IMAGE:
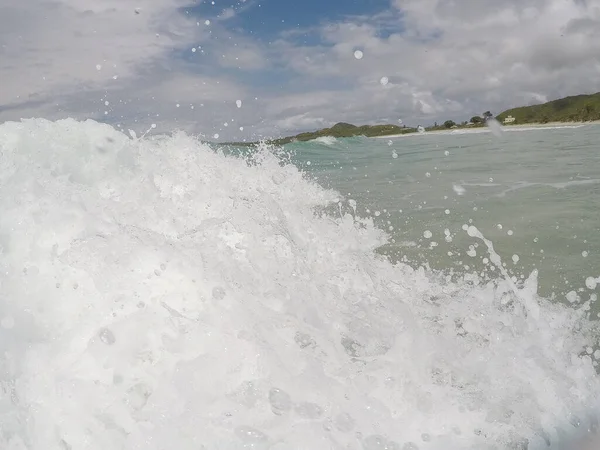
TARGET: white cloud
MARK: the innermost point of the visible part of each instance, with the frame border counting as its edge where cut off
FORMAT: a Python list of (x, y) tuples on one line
[(51, 47), (443, 59), (459, 57)]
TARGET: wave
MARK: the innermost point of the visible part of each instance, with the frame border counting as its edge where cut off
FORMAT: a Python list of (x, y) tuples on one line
[(327, 140), (155, 293)]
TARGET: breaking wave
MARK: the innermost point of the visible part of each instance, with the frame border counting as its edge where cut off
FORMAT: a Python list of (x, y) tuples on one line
[(157, 294)]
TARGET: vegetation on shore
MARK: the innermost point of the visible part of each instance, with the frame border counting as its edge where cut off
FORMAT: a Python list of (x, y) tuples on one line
[(579, 108)]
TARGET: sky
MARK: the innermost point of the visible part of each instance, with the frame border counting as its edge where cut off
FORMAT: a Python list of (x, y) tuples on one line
[(245, 69)]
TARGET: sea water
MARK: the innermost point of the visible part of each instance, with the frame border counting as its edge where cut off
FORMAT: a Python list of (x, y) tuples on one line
[(535, 192), (157, 293)]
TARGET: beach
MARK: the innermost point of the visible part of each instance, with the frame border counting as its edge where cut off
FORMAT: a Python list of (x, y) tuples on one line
[(518, 127)]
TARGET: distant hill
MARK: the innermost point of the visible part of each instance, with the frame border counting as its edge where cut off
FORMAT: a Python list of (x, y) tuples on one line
[(578, 108), (347, 130)]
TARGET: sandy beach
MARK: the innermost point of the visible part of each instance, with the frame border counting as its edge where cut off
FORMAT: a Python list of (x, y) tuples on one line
[(520, 127)]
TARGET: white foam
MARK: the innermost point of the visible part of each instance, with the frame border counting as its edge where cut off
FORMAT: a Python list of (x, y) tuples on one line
[(327, 140), (155, 294)]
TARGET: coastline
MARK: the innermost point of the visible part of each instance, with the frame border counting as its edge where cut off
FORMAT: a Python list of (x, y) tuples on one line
[(519, 127)]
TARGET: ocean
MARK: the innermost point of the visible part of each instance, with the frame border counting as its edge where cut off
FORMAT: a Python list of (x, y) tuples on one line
[(422, 292), (534, 192)]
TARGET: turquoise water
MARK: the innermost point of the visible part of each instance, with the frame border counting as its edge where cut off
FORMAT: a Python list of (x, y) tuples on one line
[(535, 194)]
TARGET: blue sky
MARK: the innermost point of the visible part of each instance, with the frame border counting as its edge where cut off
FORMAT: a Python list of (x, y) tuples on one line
[(291, 64), (267, 19)]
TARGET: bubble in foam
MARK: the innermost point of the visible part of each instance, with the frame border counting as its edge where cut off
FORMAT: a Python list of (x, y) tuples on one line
[(309, 410), (280, 401), (358, 54), (251, 436), (218, 293), (515, 259), (378, 442), (344, 422), (591, 283), (304, 340), (427, 234)]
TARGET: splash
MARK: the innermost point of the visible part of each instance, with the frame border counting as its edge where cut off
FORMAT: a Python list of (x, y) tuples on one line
[(327, 140), (157, 294)]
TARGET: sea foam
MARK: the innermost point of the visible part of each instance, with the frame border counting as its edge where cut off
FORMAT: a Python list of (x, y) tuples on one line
[(157, 294)]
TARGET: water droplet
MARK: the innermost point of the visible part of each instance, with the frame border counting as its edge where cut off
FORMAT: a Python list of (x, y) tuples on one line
[(194, 50), (358, 54), (98, 67), (7, 322), (238, 103), (394, 154), (515, 258), (106, 336), (207, 22), (384, 81), (216, 136), (584, 254), (510, 232), (427, 234)]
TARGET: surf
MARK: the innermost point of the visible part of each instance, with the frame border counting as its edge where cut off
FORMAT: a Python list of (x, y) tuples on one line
[(159, 293)]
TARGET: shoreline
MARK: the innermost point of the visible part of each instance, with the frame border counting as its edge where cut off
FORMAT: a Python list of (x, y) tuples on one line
[(473, 130)]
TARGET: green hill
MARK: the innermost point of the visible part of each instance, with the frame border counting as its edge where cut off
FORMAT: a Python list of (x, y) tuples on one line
[(578, 108), (342, 129)]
